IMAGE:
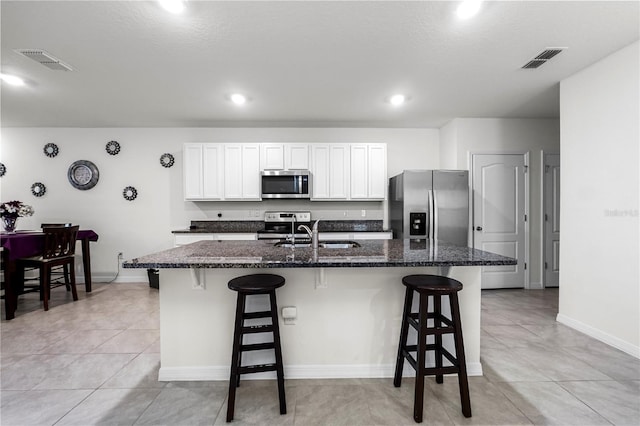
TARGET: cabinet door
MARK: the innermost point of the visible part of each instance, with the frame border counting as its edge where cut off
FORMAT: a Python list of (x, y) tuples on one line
[(296, 156), (368, 171), (359, 172), (320, 155), (233, 171), (192, 171), (212, 171), (251, 172), (272, 156), (377, 165), (339, 171)]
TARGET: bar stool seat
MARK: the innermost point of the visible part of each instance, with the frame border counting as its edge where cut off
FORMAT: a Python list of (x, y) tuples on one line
[(248, 285), (432, 286)]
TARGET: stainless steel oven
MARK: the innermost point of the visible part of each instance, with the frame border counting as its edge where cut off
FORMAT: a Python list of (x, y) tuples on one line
[(286, 184), (279, 226)]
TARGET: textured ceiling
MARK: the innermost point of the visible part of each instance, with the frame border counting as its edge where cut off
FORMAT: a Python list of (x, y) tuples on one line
[(305, 63)]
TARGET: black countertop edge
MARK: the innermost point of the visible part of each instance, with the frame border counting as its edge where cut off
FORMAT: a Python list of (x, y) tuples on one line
[(307, 265)]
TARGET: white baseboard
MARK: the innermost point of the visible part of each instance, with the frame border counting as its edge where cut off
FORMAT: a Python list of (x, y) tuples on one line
[(217, 372), (599, 335)]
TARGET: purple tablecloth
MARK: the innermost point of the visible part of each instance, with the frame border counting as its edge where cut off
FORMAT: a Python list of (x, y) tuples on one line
[(25, 244)]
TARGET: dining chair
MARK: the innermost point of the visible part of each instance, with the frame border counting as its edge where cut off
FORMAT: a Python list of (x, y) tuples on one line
[(59, 275), (59, 250)]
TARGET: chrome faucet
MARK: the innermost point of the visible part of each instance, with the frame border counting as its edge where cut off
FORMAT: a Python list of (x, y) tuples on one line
[(293, 230), (313, 234)]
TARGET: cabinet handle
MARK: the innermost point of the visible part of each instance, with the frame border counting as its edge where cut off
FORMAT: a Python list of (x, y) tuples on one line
[(478, 228)]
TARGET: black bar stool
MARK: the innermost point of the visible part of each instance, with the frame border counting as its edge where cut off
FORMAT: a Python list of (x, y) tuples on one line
[(436, 287), (246, 286)]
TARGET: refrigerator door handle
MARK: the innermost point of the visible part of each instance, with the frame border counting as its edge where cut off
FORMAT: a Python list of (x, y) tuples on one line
[(430, 222), (435, 215)]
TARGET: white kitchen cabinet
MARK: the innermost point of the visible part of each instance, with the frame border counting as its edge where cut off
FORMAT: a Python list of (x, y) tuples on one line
[(212, 171), (202, 164), (192, 167), (271, 156), (284, 156), (330, 169), (242, 172), (341, 236), (368, 171), (182, 239), (296, 156)]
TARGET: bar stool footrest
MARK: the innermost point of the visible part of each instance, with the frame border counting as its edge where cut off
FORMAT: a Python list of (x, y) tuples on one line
[(260, 368), (257, 346)]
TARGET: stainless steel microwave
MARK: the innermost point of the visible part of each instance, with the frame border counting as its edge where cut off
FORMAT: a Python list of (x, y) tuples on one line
[(286, 184)]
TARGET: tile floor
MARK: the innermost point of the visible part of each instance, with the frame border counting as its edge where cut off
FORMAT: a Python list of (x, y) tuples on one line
[(95, 361)]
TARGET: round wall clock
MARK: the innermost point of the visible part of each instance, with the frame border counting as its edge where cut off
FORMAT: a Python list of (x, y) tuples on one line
[(38, 189), (113, 147), (51, 150), (167, 160), (83, 174)]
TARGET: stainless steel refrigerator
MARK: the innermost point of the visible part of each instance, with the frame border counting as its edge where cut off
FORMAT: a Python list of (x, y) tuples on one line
[(430, 204)]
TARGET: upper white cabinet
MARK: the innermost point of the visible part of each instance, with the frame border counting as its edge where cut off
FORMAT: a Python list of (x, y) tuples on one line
[(203, 171), (368, 171), (340, 171), (242, 172), (214, 171), (288, 156), (330, 171)]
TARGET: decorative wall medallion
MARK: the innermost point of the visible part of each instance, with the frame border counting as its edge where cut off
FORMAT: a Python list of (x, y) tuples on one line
[(83, 174), (113, 147), (51, 150), (167, 160), (38, 189), (130, 193), (3, 170)]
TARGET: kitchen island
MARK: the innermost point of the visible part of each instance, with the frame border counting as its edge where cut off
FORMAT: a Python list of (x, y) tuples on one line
[(348, 300)]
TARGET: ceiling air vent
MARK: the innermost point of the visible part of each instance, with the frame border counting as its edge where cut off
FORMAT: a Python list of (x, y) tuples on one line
[(543, 57), (45, 59)]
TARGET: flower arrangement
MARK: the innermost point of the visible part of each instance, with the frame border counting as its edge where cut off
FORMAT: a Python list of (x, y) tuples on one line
[(15, 209)]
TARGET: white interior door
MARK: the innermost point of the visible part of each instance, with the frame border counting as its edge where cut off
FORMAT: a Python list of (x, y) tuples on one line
[(551, 231), (499, 215)]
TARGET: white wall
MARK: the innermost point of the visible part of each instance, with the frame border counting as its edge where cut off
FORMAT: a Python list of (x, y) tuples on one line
[(599, 277), (144, 226), (464, 136)]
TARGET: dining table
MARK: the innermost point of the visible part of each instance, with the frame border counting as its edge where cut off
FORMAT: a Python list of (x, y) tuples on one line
[(19, 244)]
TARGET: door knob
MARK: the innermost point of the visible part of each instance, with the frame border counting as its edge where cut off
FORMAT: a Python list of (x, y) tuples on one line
[(478, 228)]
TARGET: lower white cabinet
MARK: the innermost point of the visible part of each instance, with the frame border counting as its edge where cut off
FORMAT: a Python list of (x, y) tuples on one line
[(341, 236), (188, 238)]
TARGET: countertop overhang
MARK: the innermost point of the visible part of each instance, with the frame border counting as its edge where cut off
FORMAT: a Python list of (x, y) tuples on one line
[(371, 253)]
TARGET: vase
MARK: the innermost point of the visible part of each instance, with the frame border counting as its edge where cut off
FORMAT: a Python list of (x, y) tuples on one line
[(9, 223)]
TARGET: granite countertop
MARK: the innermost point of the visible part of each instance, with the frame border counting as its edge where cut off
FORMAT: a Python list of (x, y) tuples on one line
[(371, 253)]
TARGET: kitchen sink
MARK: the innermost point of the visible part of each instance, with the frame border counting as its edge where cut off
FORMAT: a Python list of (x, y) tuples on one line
[(321, 244)]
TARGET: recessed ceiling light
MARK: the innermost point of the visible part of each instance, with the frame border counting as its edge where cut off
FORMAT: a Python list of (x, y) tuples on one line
[(238, 98), (173, 6), (468, 8), (397, 100), (12, 80)]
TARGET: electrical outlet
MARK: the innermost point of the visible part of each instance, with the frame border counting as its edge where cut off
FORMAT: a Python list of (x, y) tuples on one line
[(363, 213)]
